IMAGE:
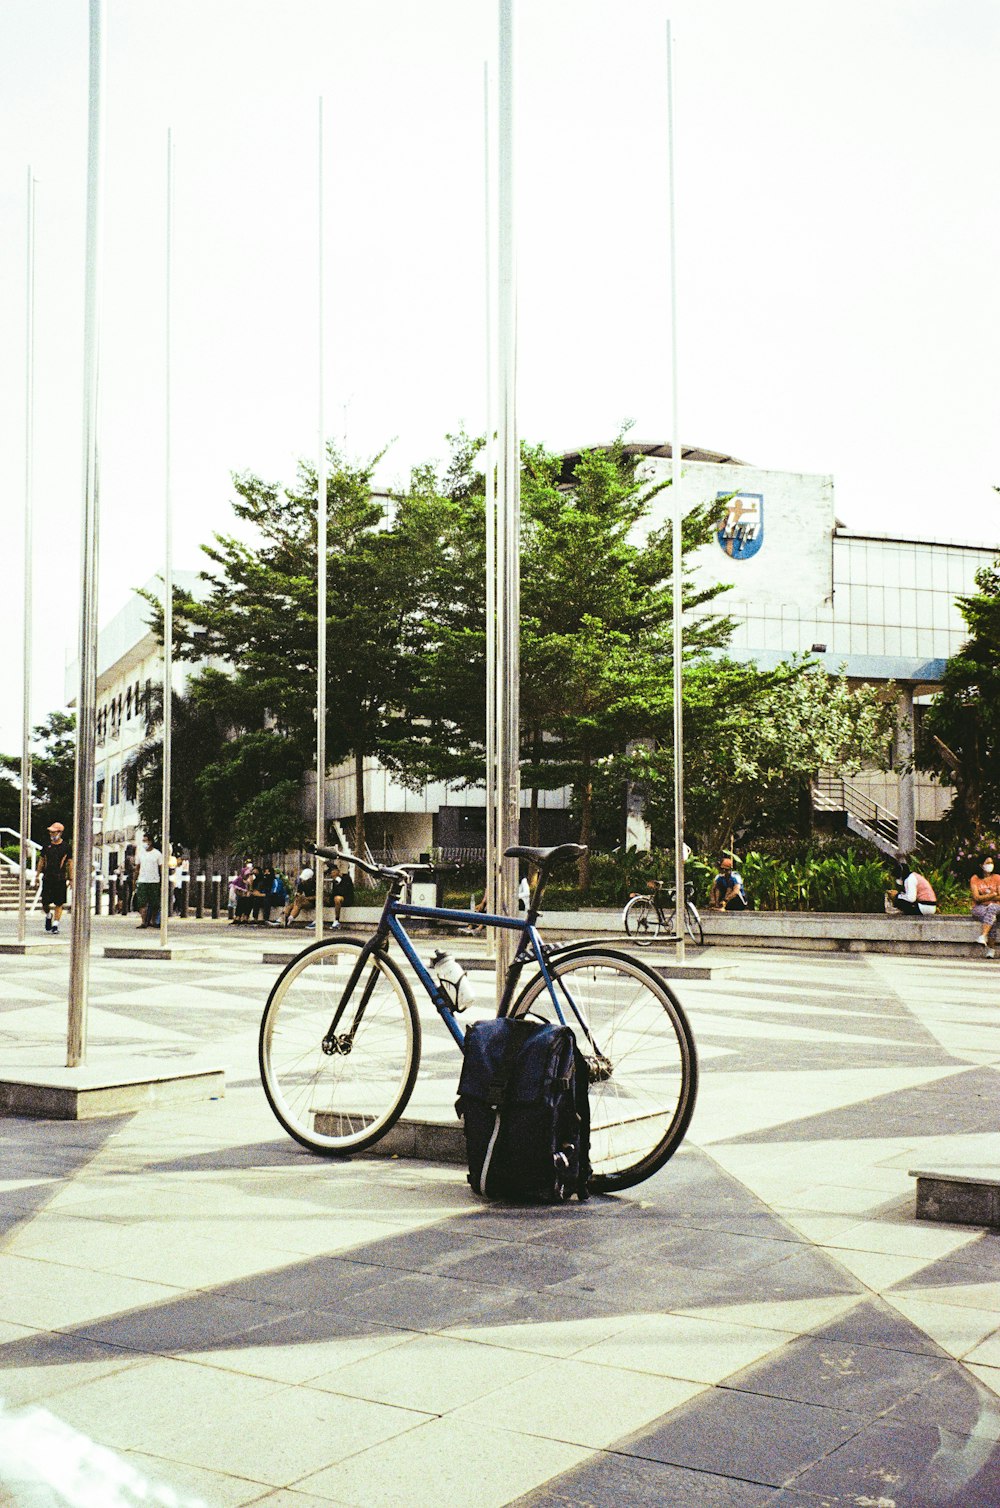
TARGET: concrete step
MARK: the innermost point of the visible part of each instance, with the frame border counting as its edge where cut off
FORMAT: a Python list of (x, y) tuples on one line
[(960, 1196)]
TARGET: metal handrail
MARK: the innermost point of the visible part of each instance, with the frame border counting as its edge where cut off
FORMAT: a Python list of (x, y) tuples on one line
[(33, 848), (849, 799)]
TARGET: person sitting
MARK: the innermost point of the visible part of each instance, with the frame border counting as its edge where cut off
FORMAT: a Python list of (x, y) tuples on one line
[(985, 890), (341, 891), (304, 897), (913, 895), (727, 892)]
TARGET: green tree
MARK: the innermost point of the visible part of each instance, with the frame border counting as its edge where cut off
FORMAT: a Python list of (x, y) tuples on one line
[(595, 625), (53, 775), (961, 730), (258, 617), (754, 740)]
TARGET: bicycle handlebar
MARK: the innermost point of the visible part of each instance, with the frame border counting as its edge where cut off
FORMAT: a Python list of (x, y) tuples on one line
[(387, 872)]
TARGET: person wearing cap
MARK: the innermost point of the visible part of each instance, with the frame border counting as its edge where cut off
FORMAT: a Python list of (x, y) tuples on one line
[(727, 889), (56, 868)]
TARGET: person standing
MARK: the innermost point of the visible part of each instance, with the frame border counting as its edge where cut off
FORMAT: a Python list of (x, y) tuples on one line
[(56, 868), (147, 888), (984, 887)]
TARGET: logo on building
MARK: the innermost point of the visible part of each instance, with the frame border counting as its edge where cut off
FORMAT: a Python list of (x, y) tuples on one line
[(741, 524)]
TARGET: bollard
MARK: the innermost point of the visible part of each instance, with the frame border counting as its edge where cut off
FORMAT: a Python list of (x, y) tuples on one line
[(97, 896), (199, 897), (216, 891), (183, 908)]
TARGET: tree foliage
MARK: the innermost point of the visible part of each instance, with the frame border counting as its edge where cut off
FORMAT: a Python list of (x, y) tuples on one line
[(53, 776), (961, 730)]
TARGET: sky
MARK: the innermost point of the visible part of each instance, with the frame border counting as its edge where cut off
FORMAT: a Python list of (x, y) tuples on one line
[(838, 232)]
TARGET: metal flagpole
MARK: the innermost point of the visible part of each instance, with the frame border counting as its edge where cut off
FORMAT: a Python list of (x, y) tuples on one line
[(320, 556), (491, 533), (168, 570), (83, 796), (509, 508), (678, 576), (29, 565)]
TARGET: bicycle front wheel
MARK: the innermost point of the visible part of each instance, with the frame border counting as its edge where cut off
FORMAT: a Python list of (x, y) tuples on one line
[(640, 921), (640, 1054), (692, 920), (339, 1095)]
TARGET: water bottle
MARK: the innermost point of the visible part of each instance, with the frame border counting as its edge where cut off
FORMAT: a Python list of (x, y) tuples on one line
[(453, 979)]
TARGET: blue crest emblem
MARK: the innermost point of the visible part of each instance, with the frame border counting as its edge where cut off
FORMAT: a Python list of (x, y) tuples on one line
[(741, 526)]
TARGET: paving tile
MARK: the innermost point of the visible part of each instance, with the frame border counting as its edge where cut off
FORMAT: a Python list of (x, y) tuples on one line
[(215, 1488), (748, 1436), (248, 1428), (679, 1345), (612, 1481), (956, 1328), (44, 1296), (190, 1323), (955, 1400), (298, 1347), (581, 1403), (431, 1373), (39, 1366), (543, 1323), (859, 1378), (429, 1467), (422, 1301), (912, 1467), (875, 1323)]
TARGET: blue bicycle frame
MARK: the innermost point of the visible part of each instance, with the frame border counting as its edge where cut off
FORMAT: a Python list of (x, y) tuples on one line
[(531, 947)]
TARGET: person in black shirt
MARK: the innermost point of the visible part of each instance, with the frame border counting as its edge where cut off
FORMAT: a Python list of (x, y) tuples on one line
[(56, 868), (341, 891)]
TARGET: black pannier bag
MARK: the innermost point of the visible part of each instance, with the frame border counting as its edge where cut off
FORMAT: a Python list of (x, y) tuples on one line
[(523, 1098)]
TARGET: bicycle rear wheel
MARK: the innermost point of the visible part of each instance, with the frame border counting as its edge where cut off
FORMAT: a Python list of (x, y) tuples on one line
[(641, 921), (343, 1097), (640, 1054)]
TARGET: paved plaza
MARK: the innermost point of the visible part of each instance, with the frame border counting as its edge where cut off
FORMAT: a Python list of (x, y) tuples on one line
[(763, 1323)]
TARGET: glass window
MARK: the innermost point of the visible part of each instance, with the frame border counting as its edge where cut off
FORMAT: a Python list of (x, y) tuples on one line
[(925, 573), (891, 610), (893, 640), (876, 639), (890, 565), (876, 605), (859, 639), (908, 608), (908, 567)]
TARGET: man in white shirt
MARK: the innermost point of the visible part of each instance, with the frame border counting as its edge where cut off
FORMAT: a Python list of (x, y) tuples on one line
[(147, 887)]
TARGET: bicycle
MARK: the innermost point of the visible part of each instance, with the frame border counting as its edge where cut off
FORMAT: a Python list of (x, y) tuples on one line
[(645, 922), (340, 1037)]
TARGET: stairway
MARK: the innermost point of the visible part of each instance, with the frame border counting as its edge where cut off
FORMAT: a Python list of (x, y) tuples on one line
[(8, 889), (862, 816)]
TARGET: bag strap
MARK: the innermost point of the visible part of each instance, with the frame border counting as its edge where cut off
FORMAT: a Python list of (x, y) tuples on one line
[(496, 1090)]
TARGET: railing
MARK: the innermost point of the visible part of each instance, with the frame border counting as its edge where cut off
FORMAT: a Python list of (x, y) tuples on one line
[(34, 849), (831, 793)]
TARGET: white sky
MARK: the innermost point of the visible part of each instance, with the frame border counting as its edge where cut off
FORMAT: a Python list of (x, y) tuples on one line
[(838, 205)]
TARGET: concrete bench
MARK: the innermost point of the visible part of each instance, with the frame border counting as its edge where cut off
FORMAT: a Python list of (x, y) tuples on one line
[(808, 931)]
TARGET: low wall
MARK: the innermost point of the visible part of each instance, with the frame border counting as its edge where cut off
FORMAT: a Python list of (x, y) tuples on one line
[(808, 931)]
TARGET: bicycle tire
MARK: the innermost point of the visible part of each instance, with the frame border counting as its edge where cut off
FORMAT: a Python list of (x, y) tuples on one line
[(637, 923), (692, 921), (341, 1102), (641, 1054)]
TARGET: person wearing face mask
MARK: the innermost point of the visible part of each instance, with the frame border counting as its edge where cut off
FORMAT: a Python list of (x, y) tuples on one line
[(985, 888), (914, 895)]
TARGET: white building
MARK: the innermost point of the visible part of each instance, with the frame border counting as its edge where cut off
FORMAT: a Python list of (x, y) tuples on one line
[(882, 608), (129, 673)]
